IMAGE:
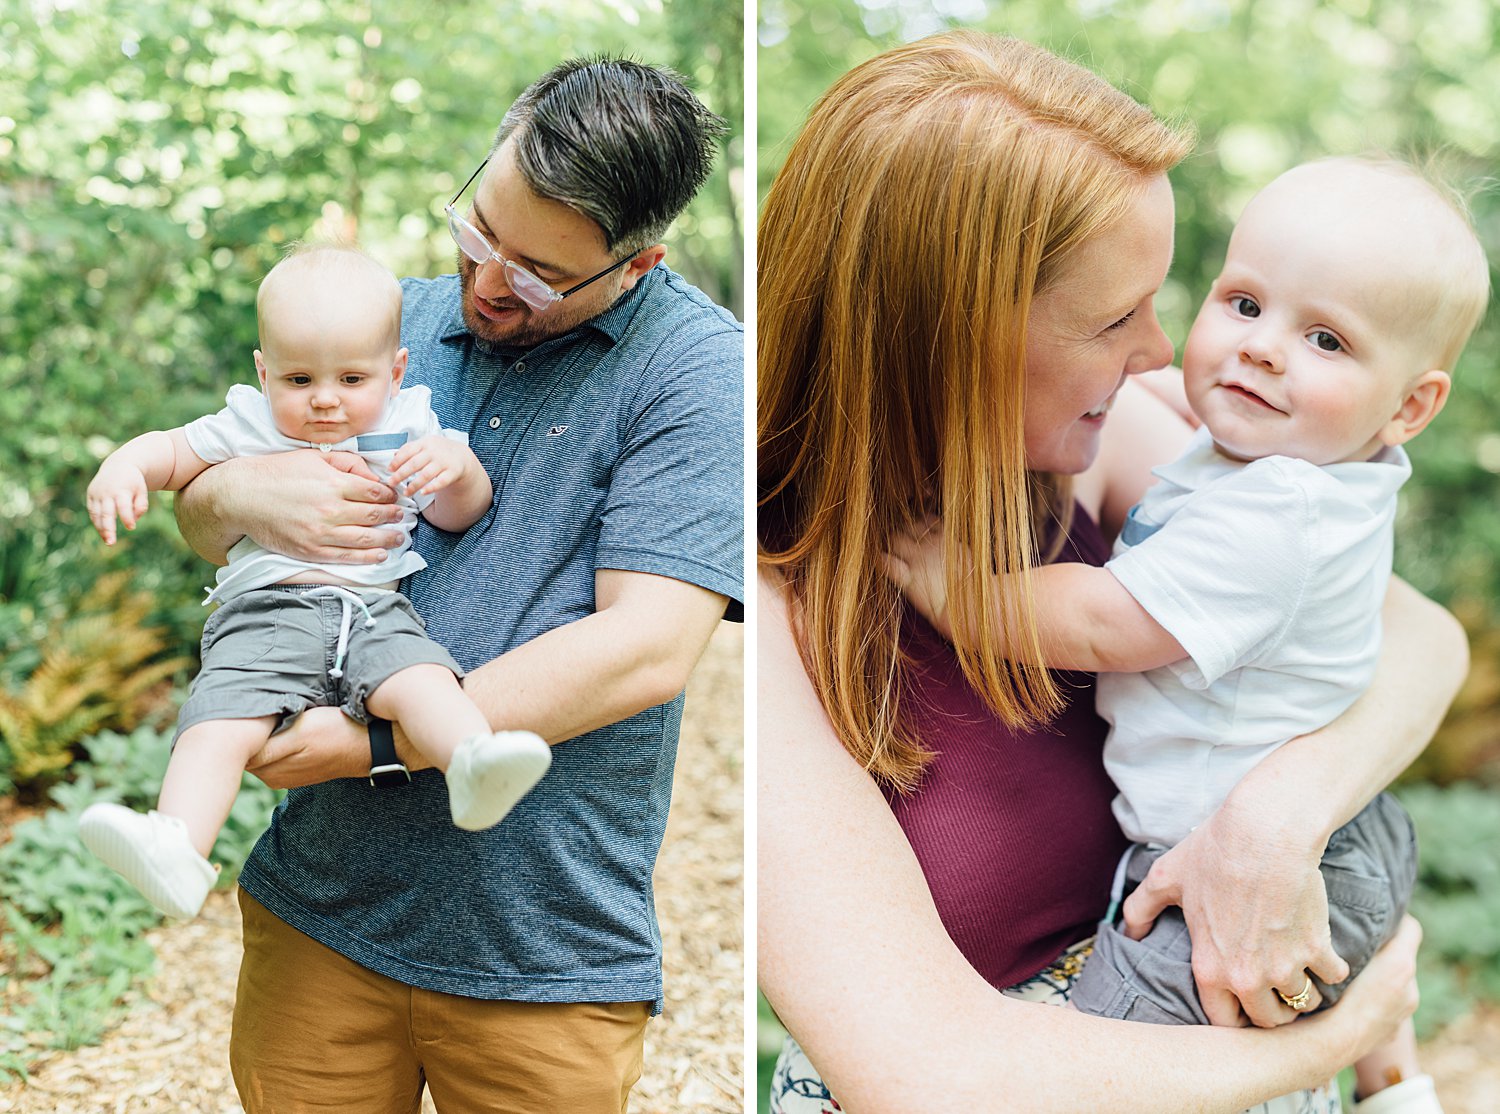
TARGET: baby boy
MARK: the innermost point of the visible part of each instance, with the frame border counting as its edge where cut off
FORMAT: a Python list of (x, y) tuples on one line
[(291, 634)]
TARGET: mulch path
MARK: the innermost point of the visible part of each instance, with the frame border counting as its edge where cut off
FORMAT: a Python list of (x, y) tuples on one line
[(170, 1053), (1465, 1060)]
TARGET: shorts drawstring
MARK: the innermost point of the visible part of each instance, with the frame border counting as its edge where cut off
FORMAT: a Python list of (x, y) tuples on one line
[(346, 597), (1117, 889)]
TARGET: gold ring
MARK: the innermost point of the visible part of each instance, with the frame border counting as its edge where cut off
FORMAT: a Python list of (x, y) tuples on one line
[(1301, 1000)]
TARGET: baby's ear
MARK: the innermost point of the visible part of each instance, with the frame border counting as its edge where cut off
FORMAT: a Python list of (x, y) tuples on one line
[(398, 369), (260, 369), (1424, 400)]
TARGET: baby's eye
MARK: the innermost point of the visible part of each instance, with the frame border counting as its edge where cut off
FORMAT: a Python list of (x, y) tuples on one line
[(1326, 341), (299, 380), (354, 380), (1244, 306)]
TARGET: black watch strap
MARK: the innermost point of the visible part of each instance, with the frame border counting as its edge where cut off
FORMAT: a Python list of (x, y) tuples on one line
[(386, 769)]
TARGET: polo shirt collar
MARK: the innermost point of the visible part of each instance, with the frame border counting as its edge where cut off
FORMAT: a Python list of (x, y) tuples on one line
[(612, 322)]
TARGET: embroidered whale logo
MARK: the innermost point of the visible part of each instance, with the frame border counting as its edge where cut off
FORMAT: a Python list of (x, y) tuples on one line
[(557, 431)]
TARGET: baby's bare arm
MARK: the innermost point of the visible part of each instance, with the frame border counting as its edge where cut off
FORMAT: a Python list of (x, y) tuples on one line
[(155, 461), (1086, 618), (449, 471)]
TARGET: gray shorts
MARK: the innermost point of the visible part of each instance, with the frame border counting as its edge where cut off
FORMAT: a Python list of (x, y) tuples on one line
[(273, 652), (1369, 869)]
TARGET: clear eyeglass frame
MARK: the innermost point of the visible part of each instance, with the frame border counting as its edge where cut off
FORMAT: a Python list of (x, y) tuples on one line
[(537, 295)]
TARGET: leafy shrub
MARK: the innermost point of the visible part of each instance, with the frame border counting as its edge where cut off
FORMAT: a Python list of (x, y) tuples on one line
[(71, 930), (1457, 897), (100, 667)]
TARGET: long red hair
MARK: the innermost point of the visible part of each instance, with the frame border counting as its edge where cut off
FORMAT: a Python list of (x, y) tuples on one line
[(932, 195)]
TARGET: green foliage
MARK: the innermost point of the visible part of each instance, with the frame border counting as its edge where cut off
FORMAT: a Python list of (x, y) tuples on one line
[(102, 666), (156, 159), (1457, 897), (72, 946)]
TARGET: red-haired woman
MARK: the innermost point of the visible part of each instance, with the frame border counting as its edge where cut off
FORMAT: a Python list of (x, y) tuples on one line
[(957, 267)]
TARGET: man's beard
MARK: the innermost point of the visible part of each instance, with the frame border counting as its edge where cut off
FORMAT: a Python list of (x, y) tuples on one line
[(525, 332)]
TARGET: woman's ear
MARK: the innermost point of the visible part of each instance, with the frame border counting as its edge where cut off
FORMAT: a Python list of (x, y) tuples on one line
[(1424, 401)]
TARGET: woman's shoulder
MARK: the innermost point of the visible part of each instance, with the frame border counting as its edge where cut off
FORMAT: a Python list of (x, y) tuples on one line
[(775, 644)]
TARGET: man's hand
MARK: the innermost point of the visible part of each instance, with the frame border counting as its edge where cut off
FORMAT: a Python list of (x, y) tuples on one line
[(915, 565), (428, 465), (313, 506), (118, 489), (1257, 912), (320, 745)]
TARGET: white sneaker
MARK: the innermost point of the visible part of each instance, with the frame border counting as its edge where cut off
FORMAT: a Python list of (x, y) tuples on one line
[(1416, 1095), (153, 852), (490, 773)]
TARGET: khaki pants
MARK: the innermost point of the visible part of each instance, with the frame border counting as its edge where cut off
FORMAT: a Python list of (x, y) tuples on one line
[(316, 1031)]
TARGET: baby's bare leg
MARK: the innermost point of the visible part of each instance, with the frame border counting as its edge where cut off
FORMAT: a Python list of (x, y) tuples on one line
[(1389, 1064), (487, 773), (432, 709), (203, 775)]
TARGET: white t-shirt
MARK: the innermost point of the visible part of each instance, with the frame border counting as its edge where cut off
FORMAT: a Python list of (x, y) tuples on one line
[(244, 428), (1271, 575)]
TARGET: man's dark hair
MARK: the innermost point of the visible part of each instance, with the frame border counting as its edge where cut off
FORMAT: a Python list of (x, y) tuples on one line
[(625, 144)]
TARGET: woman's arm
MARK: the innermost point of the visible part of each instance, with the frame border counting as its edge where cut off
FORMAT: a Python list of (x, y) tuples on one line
[(856, 962), (1248, 880)]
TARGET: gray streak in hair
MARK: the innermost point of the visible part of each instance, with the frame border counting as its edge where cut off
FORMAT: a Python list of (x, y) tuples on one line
[(627, 145)]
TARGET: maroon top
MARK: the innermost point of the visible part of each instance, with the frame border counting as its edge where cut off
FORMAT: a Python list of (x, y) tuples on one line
[(1013, 828)]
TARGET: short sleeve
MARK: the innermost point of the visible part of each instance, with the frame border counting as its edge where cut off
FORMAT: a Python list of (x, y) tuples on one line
[(242, 428), (1226, 573), (676, 499)]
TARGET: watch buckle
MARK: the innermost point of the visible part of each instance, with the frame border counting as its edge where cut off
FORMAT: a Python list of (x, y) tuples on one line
[(384, 773)]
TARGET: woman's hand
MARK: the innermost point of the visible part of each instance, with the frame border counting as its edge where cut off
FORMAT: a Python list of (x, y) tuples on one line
[(1383, 995), (1257, 911)]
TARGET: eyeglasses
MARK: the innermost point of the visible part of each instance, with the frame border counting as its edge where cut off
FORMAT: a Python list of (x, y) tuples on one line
[(523, 284)]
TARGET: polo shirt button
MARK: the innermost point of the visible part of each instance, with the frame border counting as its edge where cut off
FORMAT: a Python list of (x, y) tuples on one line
[(494, 423)]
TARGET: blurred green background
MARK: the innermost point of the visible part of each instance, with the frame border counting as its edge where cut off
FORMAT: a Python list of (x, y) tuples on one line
[(156, 157), (1268, 84)]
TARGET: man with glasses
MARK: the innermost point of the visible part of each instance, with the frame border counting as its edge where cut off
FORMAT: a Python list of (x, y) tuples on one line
[(513, 969)]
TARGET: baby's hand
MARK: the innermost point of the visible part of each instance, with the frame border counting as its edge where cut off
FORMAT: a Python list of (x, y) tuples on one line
[(117, 489), (430, 464), (915, 565)]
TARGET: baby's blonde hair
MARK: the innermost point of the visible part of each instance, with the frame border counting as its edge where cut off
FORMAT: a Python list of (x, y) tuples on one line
[(1449, 298), (331, 265)]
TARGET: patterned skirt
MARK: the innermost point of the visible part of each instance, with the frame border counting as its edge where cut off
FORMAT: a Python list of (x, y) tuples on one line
[(796, 1087)]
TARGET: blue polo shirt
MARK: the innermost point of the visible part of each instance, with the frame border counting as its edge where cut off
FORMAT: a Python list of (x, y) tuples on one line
[(616, 446)]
